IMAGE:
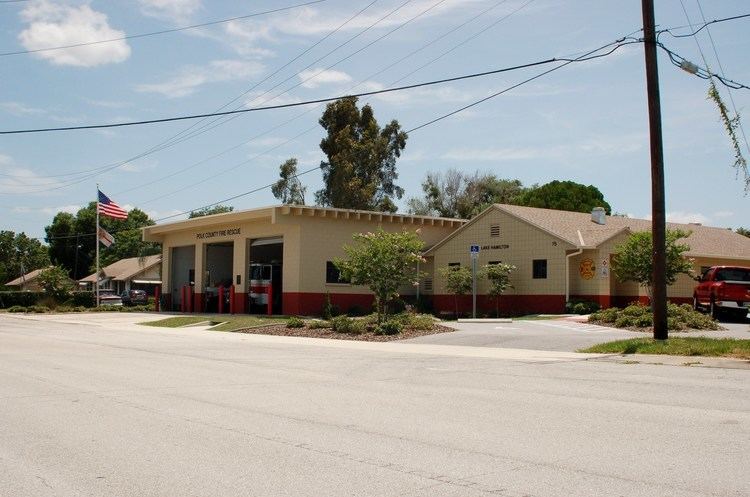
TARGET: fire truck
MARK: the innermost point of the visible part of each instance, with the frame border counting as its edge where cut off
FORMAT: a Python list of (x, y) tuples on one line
[(265, 279)]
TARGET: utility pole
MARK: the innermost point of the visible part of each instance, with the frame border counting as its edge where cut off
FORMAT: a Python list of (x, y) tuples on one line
[(658, 216)]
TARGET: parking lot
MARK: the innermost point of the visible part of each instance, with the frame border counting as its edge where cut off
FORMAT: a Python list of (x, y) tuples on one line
[(553, 334)]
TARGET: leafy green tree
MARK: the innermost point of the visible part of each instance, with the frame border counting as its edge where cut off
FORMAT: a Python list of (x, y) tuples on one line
[(56, 283), (458, 194), (498, 276), (458, 280), (565, 196), (72, 243), (289, 188), (633, 261), (744, 232), (20, 254), (207, 211), (360, 172), (384, 262)]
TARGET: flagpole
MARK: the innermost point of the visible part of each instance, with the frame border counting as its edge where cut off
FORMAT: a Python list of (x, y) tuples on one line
[(96, 240)]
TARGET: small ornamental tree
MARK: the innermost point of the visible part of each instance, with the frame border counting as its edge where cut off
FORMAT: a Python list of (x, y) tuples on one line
[(498, 276), (458, 281), (56, 283), (384, 262), (633, 261)]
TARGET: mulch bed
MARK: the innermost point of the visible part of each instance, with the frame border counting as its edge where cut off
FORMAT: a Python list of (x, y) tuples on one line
[(650, 329), (282, 330)]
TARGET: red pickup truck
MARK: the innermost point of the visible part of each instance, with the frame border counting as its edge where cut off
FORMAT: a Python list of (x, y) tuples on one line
[(723, 289)]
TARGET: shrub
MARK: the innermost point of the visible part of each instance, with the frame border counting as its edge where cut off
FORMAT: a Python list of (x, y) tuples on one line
[(581, 307), (624, 321), (391, 327), (63, 308), (414, 321), (83, 299), (295, 322), (48, 301), (329, 310), (344, 324), (39, 309), (355, 311), (317, 324), (605, 315), (635, 310), (17, 308), (24, 299), (644, 321), (674, 324)]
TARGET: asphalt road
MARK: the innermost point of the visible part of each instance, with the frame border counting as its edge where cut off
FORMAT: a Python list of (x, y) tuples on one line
[(109, 409)]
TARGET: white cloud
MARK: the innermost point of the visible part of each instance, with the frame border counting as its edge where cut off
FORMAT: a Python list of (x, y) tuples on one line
[(173, 10), (19, 180), (108, 104), (190, 78), (723, 214), (19, 109), (687, 217), (244, 36), (599, 146), (50, 211), (270, 141), (53, 25), (260, 99), (312, 78)]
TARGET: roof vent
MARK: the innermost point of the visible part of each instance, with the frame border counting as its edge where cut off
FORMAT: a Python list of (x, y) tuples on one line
[(598, 215), (696, 224)]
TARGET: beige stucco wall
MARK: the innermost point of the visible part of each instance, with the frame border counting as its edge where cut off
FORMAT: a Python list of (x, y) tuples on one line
[(309, 241), (524, 244)]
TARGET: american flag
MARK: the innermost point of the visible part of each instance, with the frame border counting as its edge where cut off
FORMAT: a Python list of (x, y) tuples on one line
[(108, 208)]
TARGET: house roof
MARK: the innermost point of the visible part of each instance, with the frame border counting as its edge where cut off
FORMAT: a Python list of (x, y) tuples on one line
[(26, 277), (125, 269), (579, 230)]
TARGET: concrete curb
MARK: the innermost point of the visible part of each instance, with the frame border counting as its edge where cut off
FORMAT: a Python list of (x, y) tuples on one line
[(485, 320)]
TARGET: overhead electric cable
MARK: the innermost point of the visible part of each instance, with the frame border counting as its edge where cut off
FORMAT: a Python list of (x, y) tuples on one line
[(587, 56), (173, 140), (723, 74), (701, 28), (161, 32), (280, 106)]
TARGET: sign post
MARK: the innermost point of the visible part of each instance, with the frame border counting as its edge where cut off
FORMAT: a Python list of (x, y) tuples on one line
[(474, 251)]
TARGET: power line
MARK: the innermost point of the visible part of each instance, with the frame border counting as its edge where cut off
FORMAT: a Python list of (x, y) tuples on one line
[(175, 139), (723, 73), (171, 141), (703, 73), (587, 56), (161, 32), (224, 171), (701, 28), (282, 106)]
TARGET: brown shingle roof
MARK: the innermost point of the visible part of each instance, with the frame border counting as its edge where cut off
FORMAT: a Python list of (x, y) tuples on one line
[(579, 230), (125, 268), (703, 240), (26, 277)]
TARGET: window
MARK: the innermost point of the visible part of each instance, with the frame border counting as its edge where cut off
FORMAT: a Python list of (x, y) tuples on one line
[(540, 269), (333, 275), (427, 284), (493, 263), (454, 264), (495, 230)]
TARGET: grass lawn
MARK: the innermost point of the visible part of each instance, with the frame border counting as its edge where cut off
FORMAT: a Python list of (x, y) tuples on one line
[(709, 347), (223, 323)]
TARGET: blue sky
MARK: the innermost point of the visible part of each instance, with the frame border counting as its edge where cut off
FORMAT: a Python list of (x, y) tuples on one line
[(586, 122)]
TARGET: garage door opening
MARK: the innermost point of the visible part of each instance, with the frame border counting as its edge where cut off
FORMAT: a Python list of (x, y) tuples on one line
[(218, 279), (182, 277), (266, 257)]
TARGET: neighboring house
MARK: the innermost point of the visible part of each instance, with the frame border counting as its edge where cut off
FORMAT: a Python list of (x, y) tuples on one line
[(134, 273), (29, 282), (562, 256)]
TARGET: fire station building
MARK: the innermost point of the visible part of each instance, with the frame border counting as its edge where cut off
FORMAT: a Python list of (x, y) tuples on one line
[(272, 260), (279, 259)]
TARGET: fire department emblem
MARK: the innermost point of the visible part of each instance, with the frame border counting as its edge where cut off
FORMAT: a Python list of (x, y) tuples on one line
[(587, 269)]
